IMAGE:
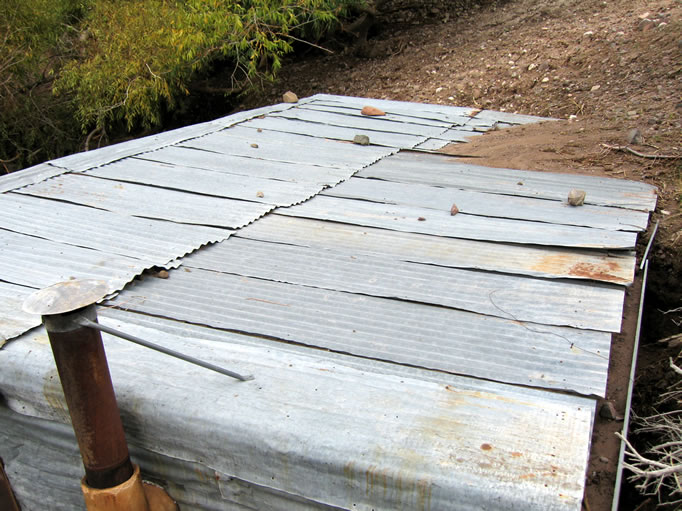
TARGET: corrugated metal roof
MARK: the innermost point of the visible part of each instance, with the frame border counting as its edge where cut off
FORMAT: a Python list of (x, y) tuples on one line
[(490, 205), (395, 333), (95, 158), (370, 123), (148, 201), (451, 252), (393, 442), (207, 182), (408, 333), (248, 167), (334, 132), (289, 147), (507, 296), (442, 223), (153, 241), (443, 170)]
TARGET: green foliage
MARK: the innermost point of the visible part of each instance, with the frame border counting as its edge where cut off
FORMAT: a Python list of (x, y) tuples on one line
[(140, 56), (33, 126)]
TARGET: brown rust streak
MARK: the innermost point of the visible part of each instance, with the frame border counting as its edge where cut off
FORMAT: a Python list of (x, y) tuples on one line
[(607, 271)]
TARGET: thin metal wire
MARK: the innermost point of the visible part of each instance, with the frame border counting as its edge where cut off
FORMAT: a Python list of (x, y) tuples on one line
[(187, 358)]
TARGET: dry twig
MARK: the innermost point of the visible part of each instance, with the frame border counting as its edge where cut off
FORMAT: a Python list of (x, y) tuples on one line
[(627, 149)]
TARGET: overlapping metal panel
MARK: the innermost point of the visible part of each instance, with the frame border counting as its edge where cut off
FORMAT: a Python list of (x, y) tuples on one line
[(334, 132), (38, 263), (451, 252), (357, 112), (89, 159), (442, 170), (289, 147), (404, 437), (247, 167), (453, 114), (516, 297), (490, 205), (442, 223), (207, 182), (369, 123), (149, 201), (29, 176), (153, 241), (408, 333)]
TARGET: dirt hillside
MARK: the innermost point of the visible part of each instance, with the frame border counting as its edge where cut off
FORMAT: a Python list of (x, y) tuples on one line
[(611, 71)]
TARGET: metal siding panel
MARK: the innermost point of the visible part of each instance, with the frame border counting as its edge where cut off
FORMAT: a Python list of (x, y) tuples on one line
[(586, 306), (219, 184), (149, 201), (333, 132), (281, 431), (441, 170), (289, 147), (370, 123), (432, 144), (442, 223), (150, 240), (490, 205), (407, 333), (251, 167), (450, 252)]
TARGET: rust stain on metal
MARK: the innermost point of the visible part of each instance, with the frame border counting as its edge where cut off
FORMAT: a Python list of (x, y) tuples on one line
[(608, 271), (486, 447), (84, 374)]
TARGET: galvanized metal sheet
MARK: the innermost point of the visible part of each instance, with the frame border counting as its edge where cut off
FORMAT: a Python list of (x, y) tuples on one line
[(153, 241), (432, 144), (13, 320), (29, 176), (407, 333), (459, 134), (509, 118), (148, 201), (442, 170), (38, 263), (289, 147), (561, 303), (453, 114), (370, 123), (251, 167), (356, 111), (450, 252), (490, 205), (442, 223), (207, 182), (86, 160), (297, 405), (334, 132)]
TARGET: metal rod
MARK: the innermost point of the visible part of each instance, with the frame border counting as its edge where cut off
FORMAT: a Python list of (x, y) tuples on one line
[(187, 358), (84, 374), (628, 402), (648, 246)]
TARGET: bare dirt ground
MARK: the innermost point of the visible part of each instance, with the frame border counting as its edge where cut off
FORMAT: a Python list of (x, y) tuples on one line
[(604, 68)]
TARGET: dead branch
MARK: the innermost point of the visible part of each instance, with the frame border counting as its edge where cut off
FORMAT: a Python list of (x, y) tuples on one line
[(627, 149)]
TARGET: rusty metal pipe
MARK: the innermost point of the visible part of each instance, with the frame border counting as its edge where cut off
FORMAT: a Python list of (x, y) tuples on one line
[(84, 374)]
